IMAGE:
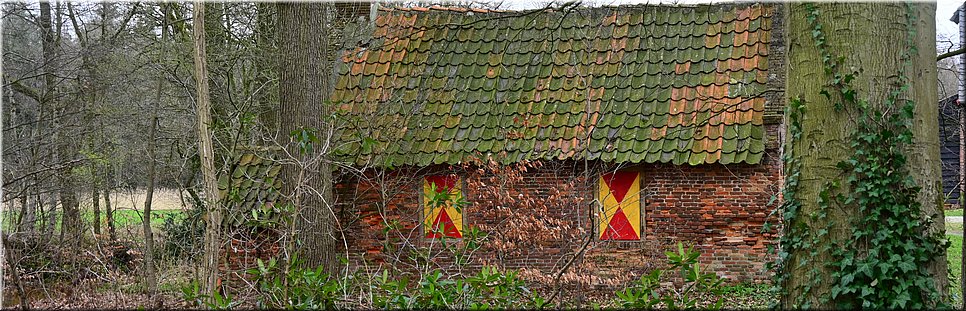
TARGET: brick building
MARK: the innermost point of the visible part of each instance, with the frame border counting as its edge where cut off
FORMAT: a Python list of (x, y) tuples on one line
[(633, 127), (581, 139)]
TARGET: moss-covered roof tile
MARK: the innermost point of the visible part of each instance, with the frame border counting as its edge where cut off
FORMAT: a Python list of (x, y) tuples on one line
[(623, 84)]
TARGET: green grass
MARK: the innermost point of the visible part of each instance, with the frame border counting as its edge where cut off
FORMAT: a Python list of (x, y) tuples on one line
[(134, 217), (954, 226), (122, 218), (955, 259), (954, 212)]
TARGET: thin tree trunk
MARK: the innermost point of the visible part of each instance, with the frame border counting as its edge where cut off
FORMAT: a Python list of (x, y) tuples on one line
[(42, 216), (962, 192), (23, 212), (89, 89), (213, 217), (108, 209), (960, 101), (150, 273), (962, 197), (28, 221), (871, 45), (216, 49), (265, 68), (96, 201), (302, 85), (50, 221), (71, 226)]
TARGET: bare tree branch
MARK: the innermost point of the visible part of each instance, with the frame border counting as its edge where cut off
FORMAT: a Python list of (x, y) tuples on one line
[(950, 54), (23, 89)]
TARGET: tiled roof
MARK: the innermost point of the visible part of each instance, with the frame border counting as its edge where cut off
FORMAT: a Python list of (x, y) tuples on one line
[(254, 184), (620, 84)]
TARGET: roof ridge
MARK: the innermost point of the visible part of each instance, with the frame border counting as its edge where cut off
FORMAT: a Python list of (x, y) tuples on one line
[(439, 8)]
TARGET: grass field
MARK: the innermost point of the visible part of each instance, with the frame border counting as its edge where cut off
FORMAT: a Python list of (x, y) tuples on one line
[(954, 256), (122, 218), (954, 226), (127, 206)]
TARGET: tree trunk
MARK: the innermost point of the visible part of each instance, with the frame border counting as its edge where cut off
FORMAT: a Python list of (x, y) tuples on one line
[(23, 213), (28, 218), (206, 154), (216, 58), (265, 68), (96, 201), (302, 87), (962, 195), (89, 90), (71, 226), (151, 278), (872, 39), (50, 221), (960, 100), (108, 209)]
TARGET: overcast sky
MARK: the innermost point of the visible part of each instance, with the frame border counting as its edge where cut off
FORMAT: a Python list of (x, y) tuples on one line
[(945, 29)]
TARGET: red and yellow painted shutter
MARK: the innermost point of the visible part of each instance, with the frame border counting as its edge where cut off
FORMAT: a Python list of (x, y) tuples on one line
[(620, 194), (442, 221)]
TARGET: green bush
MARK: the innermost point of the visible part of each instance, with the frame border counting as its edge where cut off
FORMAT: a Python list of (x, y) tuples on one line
[(184, 233), (192, 294), (648, 293), (295, 288), (487, 289)]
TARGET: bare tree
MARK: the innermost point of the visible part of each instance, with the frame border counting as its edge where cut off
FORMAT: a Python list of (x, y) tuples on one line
[(213, 216), (151, 277)]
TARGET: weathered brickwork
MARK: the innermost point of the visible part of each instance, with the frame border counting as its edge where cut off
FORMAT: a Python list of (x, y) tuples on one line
[(540, 218), (720, 209), (241, 253)]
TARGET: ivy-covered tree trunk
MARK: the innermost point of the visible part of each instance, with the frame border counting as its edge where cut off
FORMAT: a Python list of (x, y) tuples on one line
[(836, 176)]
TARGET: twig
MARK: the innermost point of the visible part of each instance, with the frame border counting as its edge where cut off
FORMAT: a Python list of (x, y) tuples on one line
[(24, 300), (590, 237)]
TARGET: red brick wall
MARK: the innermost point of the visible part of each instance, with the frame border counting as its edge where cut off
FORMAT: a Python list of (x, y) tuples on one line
[(720, 209)]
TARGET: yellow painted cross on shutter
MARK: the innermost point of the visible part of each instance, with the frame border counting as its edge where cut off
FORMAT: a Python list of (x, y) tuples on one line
[(443, 219), (620, 194)]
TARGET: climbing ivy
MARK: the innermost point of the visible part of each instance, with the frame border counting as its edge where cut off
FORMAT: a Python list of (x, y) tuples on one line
[(884, 264)]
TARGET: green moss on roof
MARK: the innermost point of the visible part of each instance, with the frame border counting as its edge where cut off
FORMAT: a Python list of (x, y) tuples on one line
[(628, 84), (254, 184)]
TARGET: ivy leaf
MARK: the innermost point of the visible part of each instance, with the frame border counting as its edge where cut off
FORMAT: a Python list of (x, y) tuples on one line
[(901, 300), (847, 279), (906, 266), (866, 269), (827, 95), (836, 290)]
